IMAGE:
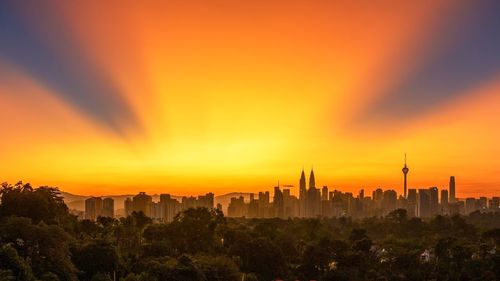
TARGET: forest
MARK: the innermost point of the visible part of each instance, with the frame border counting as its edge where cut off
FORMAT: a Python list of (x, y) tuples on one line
[(41, 240)]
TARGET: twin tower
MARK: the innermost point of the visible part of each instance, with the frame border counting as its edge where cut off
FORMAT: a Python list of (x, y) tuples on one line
[(309, 199), (312, 181)]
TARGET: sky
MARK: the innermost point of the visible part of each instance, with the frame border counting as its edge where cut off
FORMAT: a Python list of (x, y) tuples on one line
[(187, 97)]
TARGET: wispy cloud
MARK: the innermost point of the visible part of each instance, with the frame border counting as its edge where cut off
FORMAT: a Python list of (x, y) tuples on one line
[(460, 55), (50, 54)]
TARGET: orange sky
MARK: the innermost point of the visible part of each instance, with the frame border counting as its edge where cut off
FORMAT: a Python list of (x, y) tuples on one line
[(228, 96)]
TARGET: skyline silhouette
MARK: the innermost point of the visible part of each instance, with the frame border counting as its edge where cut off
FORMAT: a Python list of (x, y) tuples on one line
[(271, 140)]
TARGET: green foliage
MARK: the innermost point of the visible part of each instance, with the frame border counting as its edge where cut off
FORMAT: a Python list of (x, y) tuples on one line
[(95, 258), (45, 246), (41, 241), (13, 267), (40, 204), (218, 268)]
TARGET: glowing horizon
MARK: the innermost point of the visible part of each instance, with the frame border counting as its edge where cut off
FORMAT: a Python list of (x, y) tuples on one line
[(188, 97)]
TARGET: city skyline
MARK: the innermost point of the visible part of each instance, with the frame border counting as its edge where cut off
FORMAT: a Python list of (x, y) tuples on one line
[(249, 140), (312, 202), (297, 189), (309, 201), (236, 95)]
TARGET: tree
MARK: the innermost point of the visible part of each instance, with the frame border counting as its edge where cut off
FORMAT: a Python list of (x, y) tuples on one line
[(218, 268), (193, 231), (95, 257), (13, 266), (261, 257), (41, 204), (397, 216), (45, 246)]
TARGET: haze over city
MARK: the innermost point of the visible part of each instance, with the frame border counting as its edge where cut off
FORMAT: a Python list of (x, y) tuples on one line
[(100, 98), (249, 140)]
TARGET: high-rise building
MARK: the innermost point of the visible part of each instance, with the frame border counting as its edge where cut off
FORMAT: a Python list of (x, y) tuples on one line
[(389, 201), (470, 205), (237, 207), (142, 203), (302, 195), (171, 207), (483, 201), (290, 204), (444, 197), (405, 172), (378, 196), (93, 208), (206, 201), (129, 207), (188, 202), (444, 201), (108, 207), (453, 199), (324, 193), (312, 180), (494, 204), (434, 200), (264, 203), (313, 195), (157, 211), (411, 202), (278, 202), (424, 203)]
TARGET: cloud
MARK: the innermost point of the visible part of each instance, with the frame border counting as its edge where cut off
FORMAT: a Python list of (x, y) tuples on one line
[(460, 55), (35, 40)]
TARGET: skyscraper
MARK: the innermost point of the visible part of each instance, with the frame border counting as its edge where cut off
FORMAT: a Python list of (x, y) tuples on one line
[(302, 195), (108, 207), (434, 201), (411, 205), (129, 207), (405, 172), (171, 207), (278, 202), (93, 208), (389, 201), (453, 199), (324, 193), (142, 203), (444, 201), (424, 203), (313, 195), (312, 180)]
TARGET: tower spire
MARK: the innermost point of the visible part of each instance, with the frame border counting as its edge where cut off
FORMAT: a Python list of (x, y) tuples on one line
[(405, 172), (312, 180)]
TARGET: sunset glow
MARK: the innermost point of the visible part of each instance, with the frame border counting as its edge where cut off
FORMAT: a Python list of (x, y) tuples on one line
[(186, 97)]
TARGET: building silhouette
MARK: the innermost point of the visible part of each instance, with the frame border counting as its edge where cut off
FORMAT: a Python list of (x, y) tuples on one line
[(108, 208), (434, 201), (389, 201), (302, 195), (311, 202), (129, 207), (93, 208), (444, 201), (313, 198), (452, 190), (411, 202), (170, 207), (405, 173), (424, 203), (142, 203)]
